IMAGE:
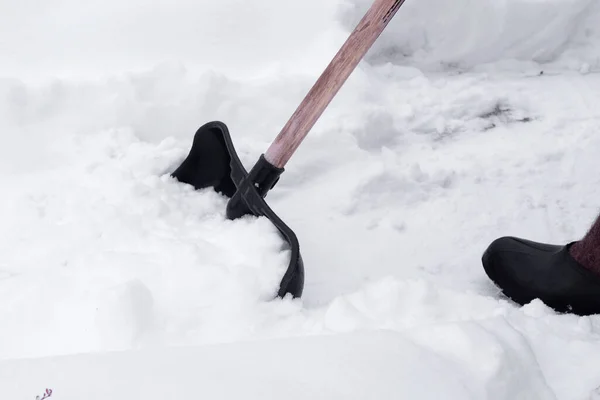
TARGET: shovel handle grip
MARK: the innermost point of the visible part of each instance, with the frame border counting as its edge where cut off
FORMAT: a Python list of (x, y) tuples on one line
[(331, 80)]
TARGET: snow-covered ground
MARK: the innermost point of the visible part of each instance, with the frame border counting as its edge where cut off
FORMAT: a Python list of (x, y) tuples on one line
[(468, 121)]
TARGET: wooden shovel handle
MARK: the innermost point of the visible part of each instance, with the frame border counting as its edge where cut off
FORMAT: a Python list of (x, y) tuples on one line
[(330, 82)]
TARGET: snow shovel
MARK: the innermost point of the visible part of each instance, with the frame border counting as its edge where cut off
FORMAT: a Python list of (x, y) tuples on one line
[(213, 161)]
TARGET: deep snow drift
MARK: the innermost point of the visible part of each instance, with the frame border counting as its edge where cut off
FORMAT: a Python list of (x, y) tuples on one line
[(464, 124)]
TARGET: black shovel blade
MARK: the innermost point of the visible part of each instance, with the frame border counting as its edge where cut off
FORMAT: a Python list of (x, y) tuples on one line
[(213, 162)]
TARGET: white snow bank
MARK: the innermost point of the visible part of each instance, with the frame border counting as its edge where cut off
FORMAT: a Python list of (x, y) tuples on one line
[(378, 365), (464, 33), (69, 39)]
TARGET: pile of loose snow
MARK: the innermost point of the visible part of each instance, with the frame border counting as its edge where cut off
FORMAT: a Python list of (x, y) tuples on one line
[(101, 248)]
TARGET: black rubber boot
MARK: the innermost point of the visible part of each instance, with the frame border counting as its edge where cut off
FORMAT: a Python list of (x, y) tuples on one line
[(527, 270)]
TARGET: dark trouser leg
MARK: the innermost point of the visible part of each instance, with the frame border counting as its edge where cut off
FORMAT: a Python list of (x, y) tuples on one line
[(587, 251)]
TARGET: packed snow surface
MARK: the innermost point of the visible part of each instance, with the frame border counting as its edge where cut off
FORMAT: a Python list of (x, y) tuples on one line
[(467, 121)]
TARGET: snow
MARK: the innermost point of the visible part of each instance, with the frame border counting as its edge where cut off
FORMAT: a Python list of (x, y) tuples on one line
[(296, 368), (98, 234), (465, 123)]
